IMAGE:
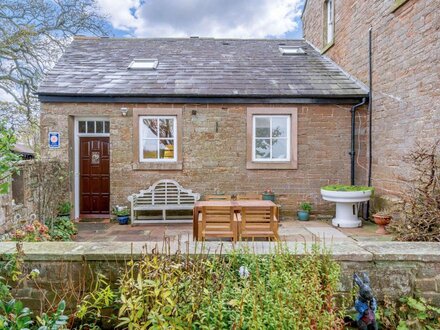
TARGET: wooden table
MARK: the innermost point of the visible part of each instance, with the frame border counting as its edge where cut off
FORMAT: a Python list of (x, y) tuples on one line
[(236, 205)]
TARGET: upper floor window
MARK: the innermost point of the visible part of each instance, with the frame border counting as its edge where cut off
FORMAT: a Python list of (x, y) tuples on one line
[(329, 21)]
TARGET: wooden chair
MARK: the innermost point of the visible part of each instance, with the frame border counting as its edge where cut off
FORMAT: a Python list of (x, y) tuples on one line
[(247, 197), (218, 222), (258, 222), (218, 197)]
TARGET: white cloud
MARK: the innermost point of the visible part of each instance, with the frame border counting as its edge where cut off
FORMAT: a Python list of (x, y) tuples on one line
[(205, 18)]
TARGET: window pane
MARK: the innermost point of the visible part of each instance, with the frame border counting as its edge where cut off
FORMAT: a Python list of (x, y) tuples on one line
[(279, 127), (106, 127), (279, 148), (262, 148), (166, 127), (90, 127), (81, 127), (99, 127), (149, 129), (262, 127), (166, 149), (150, 149)]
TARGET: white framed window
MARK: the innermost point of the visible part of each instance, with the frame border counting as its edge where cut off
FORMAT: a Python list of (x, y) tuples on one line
[(93, 126), (329, 21), (271, 138), (157, 138)]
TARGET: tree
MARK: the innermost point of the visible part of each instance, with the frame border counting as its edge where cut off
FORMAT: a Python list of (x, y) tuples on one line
[(33, 34), (8, 159)]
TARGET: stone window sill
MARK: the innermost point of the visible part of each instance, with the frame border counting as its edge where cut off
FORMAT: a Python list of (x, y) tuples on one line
[(290, 165), (177, 166)]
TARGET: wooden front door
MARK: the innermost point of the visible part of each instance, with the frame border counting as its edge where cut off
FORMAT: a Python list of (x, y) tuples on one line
[(94, 186)]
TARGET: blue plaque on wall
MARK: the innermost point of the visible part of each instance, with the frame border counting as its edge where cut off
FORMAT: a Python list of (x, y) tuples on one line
[(54, 140)]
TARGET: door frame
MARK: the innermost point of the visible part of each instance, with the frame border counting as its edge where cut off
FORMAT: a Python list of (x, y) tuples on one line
[(77, 135)]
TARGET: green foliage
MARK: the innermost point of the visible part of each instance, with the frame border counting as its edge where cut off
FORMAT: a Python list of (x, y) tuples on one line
[(14, 316), (64, 208), (409, 313), (55, 321), (121, 213), (62, 229), (305, 206), (8, 159), (94, 305), (278, 291), (341, 187)]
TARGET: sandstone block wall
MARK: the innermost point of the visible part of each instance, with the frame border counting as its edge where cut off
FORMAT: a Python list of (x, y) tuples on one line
[(406, 79), (214, 151)]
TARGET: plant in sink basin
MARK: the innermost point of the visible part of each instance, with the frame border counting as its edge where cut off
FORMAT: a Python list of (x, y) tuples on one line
[(347, 199)]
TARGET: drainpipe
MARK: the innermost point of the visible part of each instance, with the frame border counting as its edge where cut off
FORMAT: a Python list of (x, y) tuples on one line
[(352, 153), (370, 114)]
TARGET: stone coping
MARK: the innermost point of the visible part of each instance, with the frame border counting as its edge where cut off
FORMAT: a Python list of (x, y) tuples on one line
[(117, 251), (114, 251)]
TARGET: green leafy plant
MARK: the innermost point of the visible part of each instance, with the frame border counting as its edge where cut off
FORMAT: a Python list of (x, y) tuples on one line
[(305, 206), (95, 305), (63, 229), (8, 159), (64, 208), (409, 313), (54, 321), (121, 213), (14, 316)]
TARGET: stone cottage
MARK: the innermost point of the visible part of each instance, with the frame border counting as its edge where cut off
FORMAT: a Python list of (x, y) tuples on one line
[(405, 60), (217, 115)]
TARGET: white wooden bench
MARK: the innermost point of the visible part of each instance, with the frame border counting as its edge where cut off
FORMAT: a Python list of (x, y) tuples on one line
[(162, 196)]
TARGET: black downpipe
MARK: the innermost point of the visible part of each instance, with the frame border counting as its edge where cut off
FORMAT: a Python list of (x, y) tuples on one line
[(353, 143), (370, 115)]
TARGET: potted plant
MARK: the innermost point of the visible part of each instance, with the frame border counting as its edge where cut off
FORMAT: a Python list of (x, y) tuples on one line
[(382, 219), (269, 195), (122, 214), (64, 209), (304, 211)]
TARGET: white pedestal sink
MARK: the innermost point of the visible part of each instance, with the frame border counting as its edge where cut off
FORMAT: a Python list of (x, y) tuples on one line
[(347, 206)]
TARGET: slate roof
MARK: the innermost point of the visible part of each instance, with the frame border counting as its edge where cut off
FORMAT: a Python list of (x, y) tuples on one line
[(196, 67)]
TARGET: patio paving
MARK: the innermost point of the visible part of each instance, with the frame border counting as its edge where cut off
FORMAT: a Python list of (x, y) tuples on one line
[(290, 230)]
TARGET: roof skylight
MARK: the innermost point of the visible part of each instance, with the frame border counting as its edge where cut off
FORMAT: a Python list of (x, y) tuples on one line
[(291, 50), (144, 64)]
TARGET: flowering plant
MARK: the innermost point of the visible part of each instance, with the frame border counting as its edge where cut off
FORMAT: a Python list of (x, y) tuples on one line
[(32, 232)]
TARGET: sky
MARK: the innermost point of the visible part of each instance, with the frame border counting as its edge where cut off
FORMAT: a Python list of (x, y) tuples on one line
[(204, 18)]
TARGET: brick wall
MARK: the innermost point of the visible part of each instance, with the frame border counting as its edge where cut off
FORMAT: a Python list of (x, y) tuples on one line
[(406, 66), (215, 162)]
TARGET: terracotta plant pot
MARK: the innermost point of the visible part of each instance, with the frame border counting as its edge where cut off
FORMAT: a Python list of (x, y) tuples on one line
[(381, 221)]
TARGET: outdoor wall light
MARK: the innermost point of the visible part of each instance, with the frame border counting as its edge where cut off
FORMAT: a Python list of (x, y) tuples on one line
[(124, 112)]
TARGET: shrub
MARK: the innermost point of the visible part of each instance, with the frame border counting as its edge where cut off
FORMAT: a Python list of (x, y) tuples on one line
[(236, 291), (420, 215), (33, 232), (63, 229)]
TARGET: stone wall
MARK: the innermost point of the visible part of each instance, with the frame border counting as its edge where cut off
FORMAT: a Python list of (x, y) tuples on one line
[(396, 269), (214, 151), (13, 212), (406, 65)]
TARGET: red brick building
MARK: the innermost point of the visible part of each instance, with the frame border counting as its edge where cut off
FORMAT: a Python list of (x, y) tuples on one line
[(216, 115), (405, 75)]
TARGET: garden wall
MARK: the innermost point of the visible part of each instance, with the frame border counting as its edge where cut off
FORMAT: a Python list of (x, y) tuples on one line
[(396, 269)]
